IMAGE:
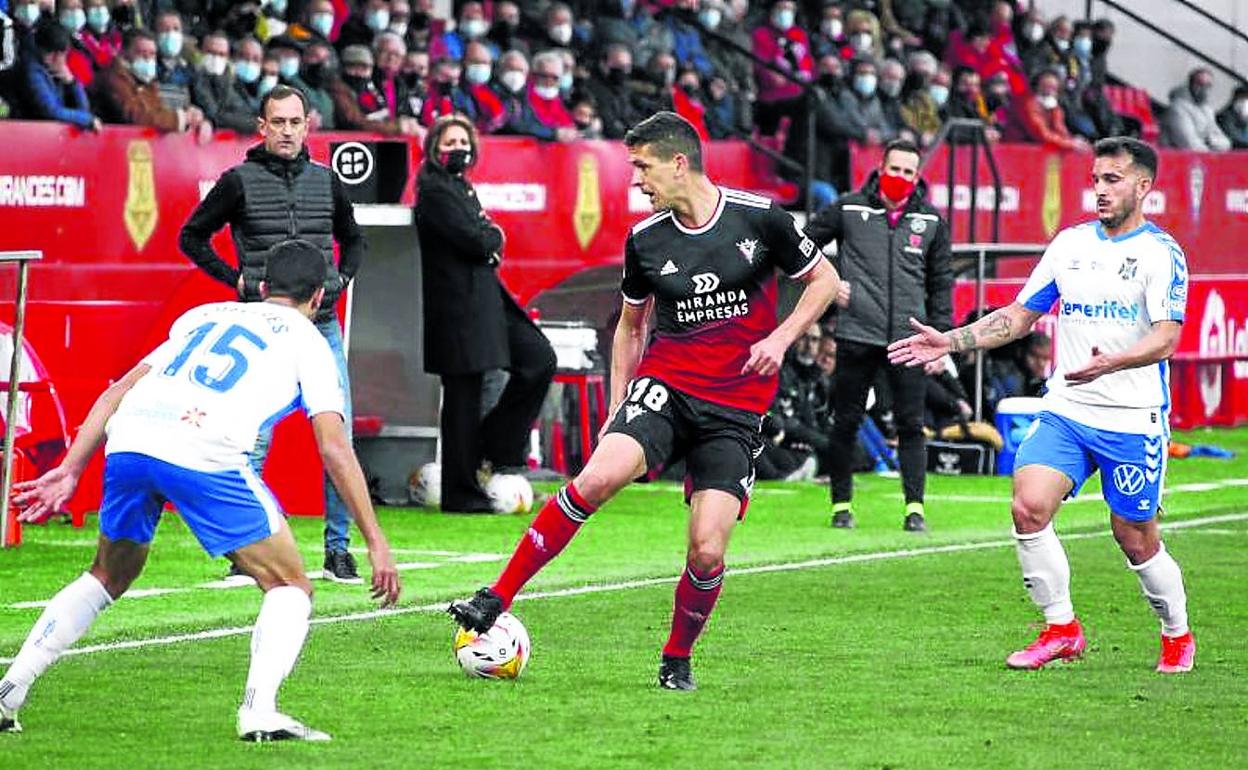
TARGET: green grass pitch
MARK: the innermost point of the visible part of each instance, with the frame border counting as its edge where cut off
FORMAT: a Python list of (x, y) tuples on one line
[(870, 648)]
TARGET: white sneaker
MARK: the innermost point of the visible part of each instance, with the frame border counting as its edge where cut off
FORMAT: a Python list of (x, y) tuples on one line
[(264, 726), (8, 721)]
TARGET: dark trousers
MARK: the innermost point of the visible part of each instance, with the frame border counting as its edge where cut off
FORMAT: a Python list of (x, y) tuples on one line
[(856, 368), (502, 436)]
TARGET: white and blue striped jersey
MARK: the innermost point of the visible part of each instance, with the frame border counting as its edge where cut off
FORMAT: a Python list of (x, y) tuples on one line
[(227, 370), (1109, 292)]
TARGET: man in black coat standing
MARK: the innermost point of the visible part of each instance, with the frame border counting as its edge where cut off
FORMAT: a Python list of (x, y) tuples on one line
[(893, 254), (472, 324)]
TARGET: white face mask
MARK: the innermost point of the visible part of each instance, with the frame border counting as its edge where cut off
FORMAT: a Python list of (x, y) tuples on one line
[(832, 28), (73, 19), (546, 92), (890, 87), (477, 73), (710, 17), (399, 28), (862, 41), (267, 83), (212, 64), (378, 20), (783, 20), (98, 17), (1062, 45), (474, 28), (170, 43), (514, 80), (561, 33), (939, 94), (323, 23), (864, 84), (1035, 32), (1048, 102)]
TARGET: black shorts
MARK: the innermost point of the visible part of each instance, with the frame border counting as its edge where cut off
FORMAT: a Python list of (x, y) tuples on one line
[(719, 443)]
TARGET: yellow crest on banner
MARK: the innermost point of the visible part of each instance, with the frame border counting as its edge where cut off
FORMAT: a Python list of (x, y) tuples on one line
[(587, 217), (1051, 212), (141, 211)]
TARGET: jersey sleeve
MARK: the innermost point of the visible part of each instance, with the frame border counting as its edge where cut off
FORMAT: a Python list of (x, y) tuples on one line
[(1040, 291), (790, 249), (634, 286), (318, 376), (1165, 294)]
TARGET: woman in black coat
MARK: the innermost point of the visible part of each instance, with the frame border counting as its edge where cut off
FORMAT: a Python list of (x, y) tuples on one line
[(472, 324)]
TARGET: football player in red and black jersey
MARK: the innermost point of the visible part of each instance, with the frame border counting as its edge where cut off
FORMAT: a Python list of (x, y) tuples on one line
[(697, 389)]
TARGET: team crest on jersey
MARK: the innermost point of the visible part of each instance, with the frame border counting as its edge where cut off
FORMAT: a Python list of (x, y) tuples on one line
[(916, 240), (918, 225), (1127, 269), (747, 247)]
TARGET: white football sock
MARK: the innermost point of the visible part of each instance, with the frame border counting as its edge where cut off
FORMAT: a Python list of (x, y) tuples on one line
[(1046, 574), (281, 628), (66, 618), (1161, 580)]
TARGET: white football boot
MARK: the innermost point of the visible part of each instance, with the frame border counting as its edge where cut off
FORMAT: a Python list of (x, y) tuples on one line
[(264, 726)]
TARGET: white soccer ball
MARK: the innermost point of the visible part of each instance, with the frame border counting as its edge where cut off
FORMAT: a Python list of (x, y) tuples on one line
[(424, 486), (500, 653), (510, 493)]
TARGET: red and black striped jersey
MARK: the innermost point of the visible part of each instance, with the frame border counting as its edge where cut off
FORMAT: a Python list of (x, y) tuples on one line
[(715, 294)]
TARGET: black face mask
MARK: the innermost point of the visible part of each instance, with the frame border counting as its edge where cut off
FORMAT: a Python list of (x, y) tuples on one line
[(419, 20), (689, 88), (318, 74), (455, 161), (830, 82), (415, 83), (123, 15), (1100, 45), (356, 82), (616, 76), (242, 26), (444, 87)]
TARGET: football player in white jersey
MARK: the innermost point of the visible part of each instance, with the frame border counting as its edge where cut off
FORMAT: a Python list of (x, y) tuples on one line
[(180, 426), (1120, 285)]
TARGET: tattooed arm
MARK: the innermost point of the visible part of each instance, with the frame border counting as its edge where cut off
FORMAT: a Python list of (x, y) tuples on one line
[(993, 330)]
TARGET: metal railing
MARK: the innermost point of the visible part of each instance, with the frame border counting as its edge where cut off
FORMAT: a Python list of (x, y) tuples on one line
[(977, 131), (23, 260)]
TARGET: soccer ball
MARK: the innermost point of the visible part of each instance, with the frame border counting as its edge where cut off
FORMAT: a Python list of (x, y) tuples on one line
[(509, 493), (500, 653), (424, 486)]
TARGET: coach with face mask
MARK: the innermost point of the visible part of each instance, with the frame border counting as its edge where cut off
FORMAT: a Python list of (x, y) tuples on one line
[(894, 260), (472, 325)]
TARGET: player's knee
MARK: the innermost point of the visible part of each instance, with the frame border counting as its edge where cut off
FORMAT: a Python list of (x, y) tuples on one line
[(705, 557), (596, 486), (1031, 512), (1136, 545)]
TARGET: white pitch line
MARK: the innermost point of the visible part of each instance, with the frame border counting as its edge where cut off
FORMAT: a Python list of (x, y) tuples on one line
[(219, 633)]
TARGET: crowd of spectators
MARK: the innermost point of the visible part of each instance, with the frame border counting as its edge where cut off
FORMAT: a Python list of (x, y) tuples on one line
[(589, 69)]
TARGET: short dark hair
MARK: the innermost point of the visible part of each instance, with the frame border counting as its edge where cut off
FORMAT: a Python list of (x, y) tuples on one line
[(1142, 154), (282, 91), (666, 134), (51, 37), (901, 145), (294, 269), (135, 33)]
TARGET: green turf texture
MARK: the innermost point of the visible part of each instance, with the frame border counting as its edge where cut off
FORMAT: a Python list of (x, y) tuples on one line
[(891, 663)]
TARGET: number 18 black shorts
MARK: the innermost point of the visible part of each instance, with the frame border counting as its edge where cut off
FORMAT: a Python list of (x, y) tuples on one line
[(719, 443)]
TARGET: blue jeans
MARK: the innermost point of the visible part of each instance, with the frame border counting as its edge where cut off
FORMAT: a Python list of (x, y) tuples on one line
[(337, 518)]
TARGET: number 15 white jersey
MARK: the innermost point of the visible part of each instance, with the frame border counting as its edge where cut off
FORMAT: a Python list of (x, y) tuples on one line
[(227, 370), (1109, 293)]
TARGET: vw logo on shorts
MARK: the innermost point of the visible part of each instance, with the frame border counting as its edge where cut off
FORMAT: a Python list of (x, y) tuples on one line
[(1129, 479), (353, 162)]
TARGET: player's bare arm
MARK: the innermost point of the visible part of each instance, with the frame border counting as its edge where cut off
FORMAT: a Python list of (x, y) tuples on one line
[(47, 494), (627, 346), (992, 331), (1158, 345), (344, 470), (822, 285)]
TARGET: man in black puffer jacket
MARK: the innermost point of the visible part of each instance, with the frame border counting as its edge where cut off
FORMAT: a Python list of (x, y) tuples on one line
[(894, 260), (275, 195)]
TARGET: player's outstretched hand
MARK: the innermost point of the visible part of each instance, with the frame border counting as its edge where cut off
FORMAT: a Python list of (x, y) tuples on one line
[(766, 355), (44, 496), (928, 345), (385, 575), (1099, 364)]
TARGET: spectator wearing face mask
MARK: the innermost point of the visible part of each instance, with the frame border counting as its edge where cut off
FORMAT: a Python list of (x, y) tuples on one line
[(544, 114), (922, 103), (317, 72), (730, 63), (49, 89), (1054, 52), (1028, 33), (248, 56), (679, 31), (861, 102), (833, 130), (416, 76), (781, 42), (830, 35), (901, 19), (504, 34), (1233, 118), (25, 15), (1190, 123), (174, 73), (359, 105), (862, 36), (892, 79), (129, 94), (371, 17), (585, 116), (967, 101), (610, 90), (723, 114), (558, 31), (389, 50), (318, 23), (100, 38), (472, 26), (272, 21), (487, 109), (686, 99), (214, 92), (1040, 118), (446, 93)]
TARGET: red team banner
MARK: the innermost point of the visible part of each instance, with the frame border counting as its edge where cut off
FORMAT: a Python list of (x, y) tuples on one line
[(106, 210)]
